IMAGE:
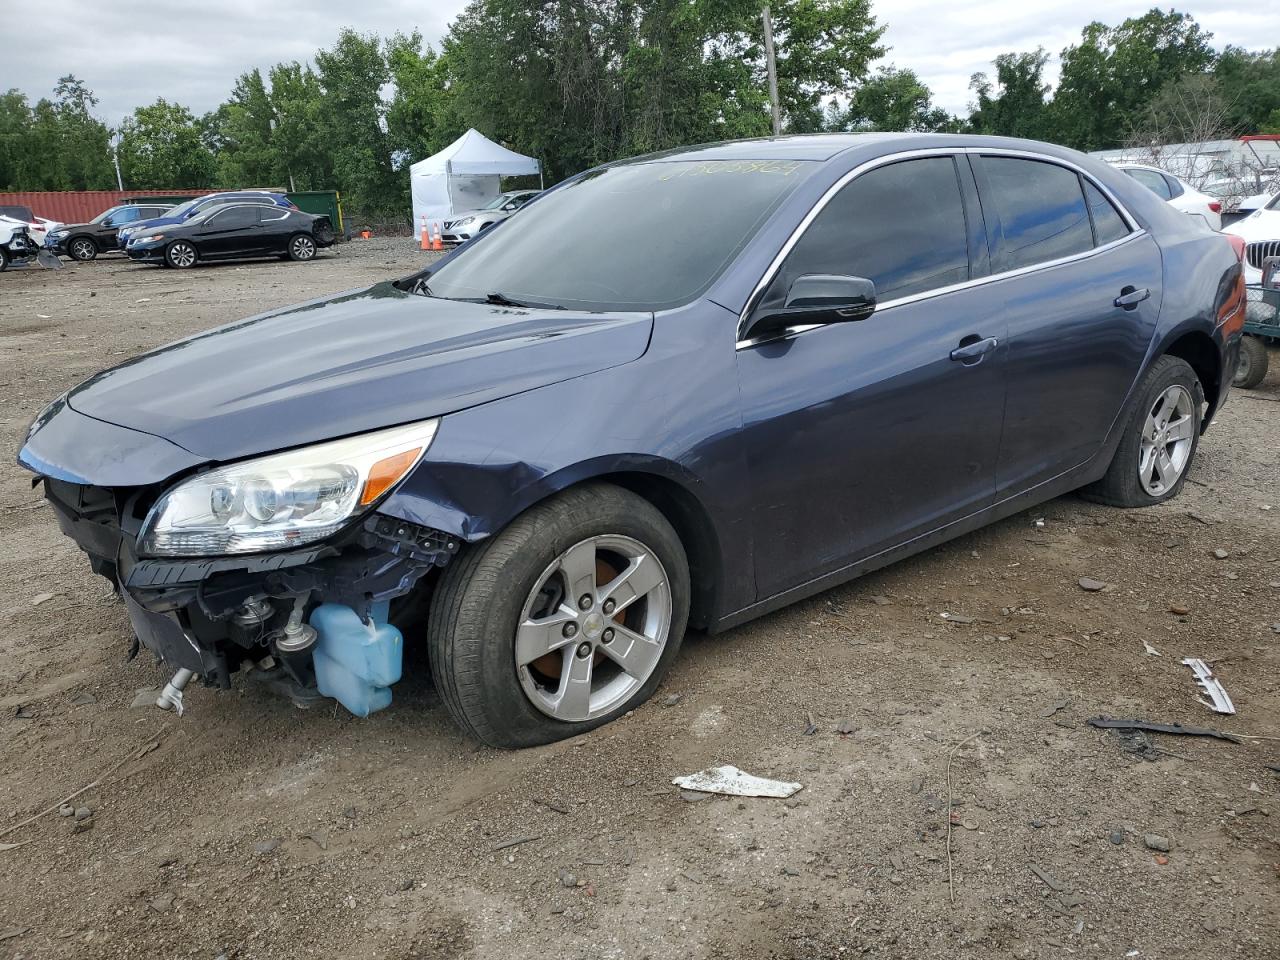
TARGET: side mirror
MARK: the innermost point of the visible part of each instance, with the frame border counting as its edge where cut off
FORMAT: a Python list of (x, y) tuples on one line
[(817, 298)]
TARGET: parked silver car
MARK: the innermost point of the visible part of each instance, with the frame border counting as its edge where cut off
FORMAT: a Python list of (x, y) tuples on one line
[(466, 225)]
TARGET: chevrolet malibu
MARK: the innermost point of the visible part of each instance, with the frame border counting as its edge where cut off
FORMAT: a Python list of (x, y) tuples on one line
[(550, 453)]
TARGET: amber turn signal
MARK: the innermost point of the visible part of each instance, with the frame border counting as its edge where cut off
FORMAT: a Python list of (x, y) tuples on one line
[(386, 473)]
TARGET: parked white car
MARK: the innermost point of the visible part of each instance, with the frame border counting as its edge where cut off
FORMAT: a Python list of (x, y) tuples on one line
[(1260, 232), (1177, 193), (37, 227)]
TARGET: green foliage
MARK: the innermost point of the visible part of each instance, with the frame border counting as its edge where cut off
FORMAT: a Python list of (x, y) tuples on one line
[(55, 145), (161, 147), (1250, 85), (1115, 72), (893, 100), (1015, 105)]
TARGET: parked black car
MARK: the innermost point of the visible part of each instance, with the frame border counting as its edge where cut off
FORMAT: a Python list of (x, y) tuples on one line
[(231, 232), (546, 453), (84, 241)]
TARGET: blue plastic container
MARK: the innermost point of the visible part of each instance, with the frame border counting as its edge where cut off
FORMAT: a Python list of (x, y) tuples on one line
[(356, 662)]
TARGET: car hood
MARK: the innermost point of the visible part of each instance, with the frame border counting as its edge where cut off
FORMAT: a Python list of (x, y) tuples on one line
[(147, 224), (358, 361)]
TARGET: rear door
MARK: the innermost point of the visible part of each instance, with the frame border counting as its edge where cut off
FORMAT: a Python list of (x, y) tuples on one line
[(863, 435), (1082, 299)]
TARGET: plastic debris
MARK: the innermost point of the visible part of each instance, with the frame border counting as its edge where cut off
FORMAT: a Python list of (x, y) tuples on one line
[(729, 781), (1211, 685), (1106, 723), (1151, 651)]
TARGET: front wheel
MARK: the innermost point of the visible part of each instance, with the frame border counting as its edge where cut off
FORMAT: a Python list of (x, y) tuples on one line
[(562, 622), (180, 255), (302, 247), (1160, 440), (4, 259), (1251, 368), (82, 249)]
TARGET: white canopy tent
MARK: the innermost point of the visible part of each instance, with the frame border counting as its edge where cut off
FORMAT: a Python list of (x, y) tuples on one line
[(463, 176)]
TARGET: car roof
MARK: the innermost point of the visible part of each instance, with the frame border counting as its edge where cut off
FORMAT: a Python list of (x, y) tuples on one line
[(806, 146)]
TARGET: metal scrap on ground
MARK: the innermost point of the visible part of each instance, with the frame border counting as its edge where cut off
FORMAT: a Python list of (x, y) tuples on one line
[(1211, 685), (732, 782), (1106, 723)]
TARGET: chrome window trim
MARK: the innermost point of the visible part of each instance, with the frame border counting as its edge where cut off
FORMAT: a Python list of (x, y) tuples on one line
[(1135, 231)]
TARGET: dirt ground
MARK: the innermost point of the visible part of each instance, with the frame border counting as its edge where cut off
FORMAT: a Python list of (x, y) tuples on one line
[(255, 830)]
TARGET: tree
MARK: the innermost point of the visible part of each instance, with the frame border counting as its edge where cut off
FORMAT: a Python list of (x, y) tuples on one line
[(84, 154), (420, 116), (893, 99), (352, 73), (1115, 72), (299, 144), (1015, 105), (241, 135), (1187, 112), (1250, 85), (162, 148)]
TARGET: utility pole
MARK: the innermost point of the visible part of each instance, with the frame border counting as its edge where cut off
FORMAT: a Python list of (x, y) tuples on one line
[(773, 70), (115, 158)]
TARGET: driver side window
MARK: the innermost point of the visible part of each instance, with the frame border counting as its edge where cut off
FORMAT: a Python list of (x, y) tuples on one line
[(902, 226)]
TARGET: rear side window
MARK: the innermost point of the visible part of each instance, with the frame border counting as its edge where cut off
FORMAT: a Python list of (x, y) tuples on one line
[(234, 217), (1041, 210), (1153, 182), (1108, 225), (902, 226), (1175, 187)]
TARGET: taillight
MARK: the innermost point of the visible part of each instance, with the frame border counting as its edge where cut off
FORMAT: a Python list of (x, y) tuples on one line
[(1231, 313), (1215, 206), (1237, 244)]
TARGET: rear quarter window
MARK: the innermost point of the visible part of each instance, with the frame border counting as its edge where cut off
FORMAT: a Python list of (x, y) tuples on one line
[(1108, 225)]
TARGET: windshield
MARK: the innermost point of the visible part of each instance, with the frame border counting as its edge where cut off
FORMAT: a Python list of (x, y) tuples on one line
[(641, 236), (497, 201), (182, 209), (104, 214)]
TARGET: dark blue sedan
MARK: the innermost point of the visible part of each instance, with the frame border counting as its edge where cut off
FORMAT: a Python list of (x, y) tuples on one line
[(681, 390)]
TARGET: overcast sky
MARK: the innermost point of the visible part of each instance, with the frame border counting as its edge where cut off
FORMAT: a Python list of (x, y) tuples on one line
[(192, 54)]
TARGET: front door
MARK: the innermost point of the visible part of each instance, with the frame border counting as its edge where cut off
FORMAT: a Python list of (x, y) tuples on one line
[(863, 435)]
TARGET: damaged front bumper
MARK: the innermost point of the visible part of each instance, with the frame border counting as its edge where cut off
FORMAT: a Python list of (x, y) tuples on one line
[(320, 615)]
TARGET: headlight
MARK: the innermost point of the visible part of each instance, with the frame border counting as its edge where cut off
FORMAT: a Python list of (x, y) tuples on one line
[(58, 234), (464, 222), (147, 239), (284, 500)]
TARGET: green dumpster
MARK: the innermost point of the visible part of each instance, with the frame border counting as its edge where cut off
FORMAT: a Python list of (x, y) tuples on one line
[(327, 202)]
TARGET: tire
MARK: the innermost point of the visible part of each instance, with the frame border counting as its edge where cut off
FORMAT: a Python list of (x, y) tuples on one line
[(302, 247), (82, 249), (1252, 367), (4, 259), (487, 592), (1123, 484), (181, 255)]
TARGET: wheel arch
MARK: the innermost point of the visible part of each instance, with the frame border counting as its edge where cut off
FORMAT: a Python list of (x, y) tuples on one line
[(488, 503), (1201, 352)]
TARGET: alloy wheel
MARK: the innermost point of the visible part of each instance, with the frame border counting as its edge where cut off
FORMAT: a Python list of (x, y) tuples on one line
[(83, 250), (593, 628), (182, 255), (303, 248), (1167, 437)]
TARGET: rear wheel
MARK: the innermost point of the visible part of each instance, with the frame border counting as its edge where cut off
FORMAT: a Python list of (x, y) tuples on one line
[(1160, 441), (82, 248), (180, 255), (1252, 365), (4, 259), (562, 622), (302, 247)]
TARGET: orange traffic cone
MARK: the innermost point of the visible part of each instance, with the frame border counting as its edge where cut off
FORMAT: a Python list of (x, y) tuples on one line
[(426, 241), (437, 243)]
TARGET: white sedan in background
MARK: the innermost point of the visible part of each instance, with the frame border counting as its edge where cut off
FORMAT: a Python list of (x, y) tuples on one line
[(1260, 231), (1177, 193)]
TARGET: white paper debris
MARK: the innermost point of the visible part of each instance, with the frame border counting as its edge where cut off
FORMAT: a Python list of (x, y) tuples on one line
[(1210, 684), (732, 782), (1151, 651)]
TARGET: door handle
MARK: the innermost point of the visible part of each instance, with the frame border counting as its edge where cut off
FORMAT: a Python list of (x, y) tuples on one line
[(1130, 297), (972, 349)]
